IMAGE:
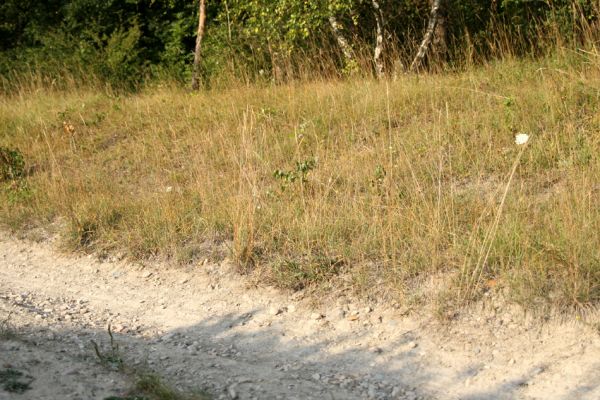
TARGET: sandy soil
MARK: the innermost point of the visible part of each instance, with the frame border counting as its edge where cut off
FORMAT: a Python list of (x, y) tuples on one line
[(204, 327)]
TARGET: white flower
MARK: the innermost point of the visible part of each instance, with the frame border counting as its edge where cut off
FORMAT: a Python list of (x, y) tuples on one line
[(521, 138)]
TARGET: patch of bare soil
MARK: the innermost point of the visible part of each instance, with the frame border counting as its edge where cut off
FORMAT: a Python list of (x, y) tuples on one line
[(205, 328)]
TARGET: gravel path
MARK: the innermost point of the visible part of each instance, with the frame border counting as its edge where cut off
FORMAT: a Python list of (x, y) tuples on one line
[(206, 328)]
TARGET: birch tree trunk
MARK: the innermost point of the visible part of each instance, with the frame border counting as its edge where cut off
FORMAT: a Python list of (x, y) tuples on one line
[(434, 27), (197, 50), (378, 52), (341, 40), (439, 46)]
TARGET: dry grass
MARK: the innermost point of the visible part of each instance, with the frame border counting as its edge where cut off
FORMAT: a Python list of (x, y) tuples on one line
[(388, 183)]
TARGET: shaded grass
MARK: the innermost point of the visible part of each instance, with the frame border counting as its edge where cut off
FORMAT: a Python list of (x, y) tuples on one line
[(7, 329), (405, 179), (14, 381), (151, 387)]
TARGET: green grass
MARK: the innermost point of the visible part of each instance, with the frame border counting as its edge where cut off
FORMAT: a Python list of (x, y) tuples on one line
[(151, 387), (14, 381), (386, 185)]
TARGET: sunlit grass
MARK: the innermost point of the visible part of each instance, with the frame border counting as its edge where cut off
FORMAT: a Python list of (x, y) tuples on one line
[(387, 183)]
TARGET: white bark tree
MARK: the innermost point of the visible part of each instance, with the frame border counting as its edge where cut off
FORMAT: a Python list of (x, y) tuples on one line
[(378, 52), (340, 37), (435, 33), (198, 49)]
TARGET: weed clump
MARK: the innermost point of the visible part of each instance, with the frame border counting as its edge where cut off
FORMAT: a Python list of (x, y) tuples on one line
[(7, 331), (12, 164), (15, 381)]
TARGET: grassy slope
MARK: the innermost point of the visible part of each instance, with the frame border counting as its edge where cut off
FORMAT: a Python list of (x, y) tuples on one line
[(407, 181)]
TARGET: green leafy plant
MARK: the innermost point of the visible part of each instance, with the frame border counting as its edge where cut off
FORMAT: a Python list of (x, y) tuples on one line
[(379, 176), (111, 358), (12, 164), (298, 174)]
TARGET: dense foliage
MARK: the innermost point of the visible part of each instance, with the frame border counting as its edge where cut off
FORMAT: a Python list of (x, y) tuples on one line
[(128, 41)]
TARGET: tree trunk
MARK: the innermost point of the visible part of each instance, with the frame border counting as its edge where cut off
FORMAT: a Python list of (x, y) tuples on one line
[(197, 51), (439, 46), (378, 52), (436, 31), (341, 39)]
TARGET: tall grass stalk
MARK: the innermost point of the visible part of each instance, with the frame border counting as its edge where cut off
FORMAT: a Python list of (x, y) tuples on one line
[(472, 275)]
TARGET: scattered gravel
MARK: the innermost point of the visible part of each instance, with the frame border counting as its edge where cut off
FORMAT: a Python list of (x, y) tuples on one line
[(204, 329)]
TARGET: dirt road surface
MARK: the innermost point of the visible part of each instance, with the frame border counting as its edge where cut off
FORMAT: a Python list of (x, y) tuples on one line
[(204, 327)]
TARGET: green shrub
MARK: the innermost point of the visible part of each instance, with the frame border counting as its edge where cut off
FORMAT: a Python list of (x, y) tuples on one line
[(12, 164)]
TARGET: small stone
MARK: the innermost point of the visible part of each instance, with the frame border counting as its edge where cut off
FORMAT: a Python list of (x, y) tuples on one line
[(291, 308), (339, 313), (538, 371), (275, 310), (353, 316), (146, 274), (183, 281), (371, 392), (395, 391), (316, 377), (232, 392), (410, 395), (512, 361), (412, 345), (316, 316)]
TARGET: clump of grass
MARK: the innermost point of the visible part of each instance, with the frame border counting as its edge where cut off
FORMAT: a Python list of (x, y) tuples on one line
[(152, 387), (148, 386), (12, 164), (7, 330), (398, 181), (15, 381), (298, 274)]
